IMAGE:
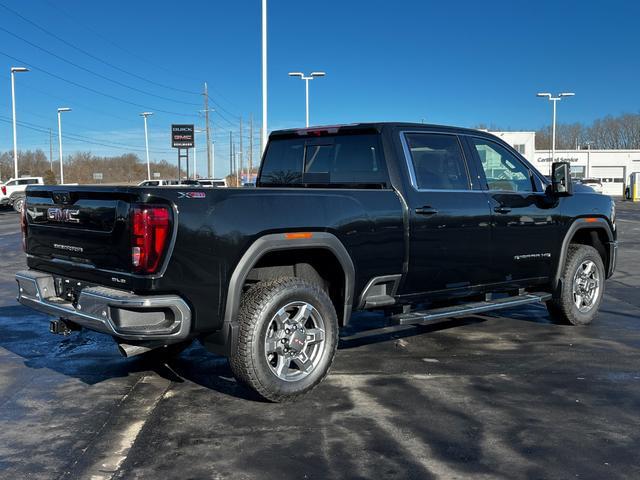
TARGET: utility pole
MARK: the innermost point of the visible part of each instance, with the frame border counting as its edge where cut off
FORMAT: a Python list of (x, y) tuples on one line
[(250, 147), (206, 121), (241, 151), (235, 165), (50, 152), (230, 153)]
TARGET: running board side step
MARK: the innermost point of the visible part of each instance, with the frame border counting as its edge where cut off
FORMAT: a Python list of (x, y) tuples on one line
[(426, 316)]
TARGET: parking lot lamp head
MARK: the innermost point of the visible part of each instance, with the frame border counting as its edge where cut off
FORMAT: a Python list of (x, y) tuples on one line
[(554, 100), (306, 79)]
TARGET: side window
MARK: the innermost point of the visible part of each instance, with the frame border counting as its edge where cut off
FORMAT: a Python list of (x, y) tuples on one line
[(10, 184), (502, 169), (23, 182), (283, 163), (438, 161)]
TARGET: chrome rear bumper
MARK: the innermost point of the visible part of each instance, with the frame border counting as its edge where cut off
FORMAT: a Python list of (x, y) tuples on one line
[(118, 313)]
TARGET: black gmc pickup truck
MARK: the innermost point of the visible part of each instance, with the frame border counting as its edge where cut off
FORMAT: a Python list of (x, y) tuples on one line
[(426, 221)]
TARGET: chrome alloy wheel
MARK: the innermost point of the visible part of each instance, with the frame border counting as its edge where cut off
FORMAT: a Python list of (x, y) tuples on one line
[(586, 286), (294, 342)]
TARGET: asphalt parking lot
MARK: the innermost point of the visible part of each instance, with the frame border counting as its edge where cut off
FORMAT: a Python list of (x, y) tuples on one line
[(508, 395)]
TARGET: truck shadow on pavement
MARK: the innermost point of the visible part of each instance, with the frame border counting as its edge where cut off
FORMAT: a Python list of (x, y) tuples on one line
[(93, 358)]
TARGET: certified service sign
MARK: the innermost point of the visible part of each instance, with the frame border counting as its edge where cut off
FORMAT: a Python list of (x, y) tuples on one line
[(182, 136)]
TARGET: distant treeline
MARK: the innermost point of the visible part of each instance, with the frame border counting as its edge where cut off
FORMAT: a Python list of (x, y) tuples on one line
[(621, 132), (81, 166)]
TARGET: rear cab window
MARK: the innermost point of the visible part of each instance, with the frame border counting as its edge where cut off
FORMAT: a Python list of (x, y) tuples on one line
[(351, 160), (437, 162)]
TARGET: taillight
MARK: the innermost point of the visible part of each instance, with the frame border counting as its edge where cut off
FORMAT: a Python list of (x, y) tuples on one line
[(150, 231), (4, 189), (23, 225)]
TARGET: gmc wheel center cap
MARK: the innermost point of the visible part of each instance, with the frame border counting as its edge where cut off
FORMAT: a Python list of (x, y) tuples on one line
[(297, 341)]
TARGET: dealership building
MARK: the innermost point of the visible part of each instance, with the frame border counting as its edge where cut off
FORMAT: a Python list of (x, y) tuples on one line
[(612, 167)]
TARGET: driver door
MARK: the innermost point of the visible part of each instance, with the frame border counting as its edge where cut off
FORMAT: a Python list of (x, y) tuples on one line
[(524, 232)]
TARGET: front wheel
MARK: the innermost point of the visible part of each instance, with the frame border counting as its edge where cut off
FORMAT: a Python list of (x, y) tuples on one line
[(581, 288), (18, 204), (287, 338)]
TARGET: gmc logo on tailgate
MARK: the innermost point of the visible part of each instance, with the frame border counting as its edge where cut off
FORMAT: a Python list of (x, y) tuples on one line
[(63, 215)]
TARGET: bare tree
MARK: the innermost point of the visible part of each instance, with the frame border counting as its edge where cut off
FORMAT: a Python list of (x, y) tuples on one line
[(621, 132)]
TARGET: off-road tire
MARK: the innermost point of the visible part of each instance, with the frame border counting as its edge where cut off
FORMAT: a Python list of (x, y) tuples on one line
[(562, 307), (258, 307)]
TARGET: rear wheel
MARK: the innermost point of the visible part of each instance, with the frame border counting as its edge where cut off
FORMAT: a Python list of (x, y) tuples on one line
[(287, 340), (581, 288)]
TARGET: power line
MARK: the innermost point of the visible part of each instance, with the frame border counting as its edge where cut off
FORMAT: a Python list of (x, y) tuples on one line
[(128, 51), (146, 107), (117, 82), (218, 105), (82, 138), (89, 54), (28, 86)]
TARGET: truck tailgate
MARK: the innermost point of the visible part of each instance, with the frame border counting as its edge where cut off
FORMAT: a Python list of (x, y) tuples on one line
[(80, 226)]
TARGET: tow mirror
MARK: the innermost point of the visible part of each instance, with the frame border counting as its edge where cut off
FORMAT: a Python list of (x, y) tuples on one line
[(561, 179)]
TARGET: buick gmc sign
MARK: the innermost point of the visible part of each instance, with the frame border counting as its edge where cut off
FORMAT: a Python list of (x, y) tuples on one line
[(182, 136)]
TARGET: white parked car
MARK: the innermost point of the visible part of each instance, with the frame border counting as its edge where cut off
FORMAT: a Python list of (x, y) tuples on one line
[(594, 183), (12, 192), (212, 182), (157, 183)]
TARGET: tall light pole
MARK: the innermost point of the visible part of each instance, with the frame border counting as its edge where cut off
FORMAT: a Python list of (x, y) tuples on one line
[(146, 141), (15, 70), (306, 81), (195, 152), (555, 100), (60, 110), (264, 74)]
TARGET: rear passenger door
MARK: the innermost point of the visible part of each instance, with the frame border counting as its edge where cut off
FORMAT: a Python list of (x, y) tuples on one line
[(524, 217), (449, 217)]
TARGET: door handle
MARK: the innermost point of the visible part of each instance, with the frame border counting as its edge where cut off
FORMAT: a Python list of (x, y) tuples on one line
[(426, 210), (502, 209)]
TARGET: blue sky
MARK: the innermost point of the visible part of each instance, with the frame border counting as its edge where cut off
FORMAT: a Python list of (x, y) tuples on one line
[(455, 62)]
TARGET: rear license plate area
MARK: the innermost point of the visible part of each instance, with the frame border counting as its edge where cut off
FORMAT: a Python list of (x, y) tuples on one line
[(69, 289)]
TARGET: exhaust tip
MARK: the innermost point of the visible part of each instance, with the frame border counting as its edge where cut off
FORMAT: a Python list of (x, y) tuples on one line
[(127, 350)]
